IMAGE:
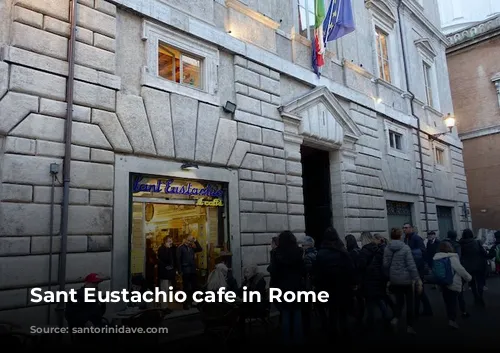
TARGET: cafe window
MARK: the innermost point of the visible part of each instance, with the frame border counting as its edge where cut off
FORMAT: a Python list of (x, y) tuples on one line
[(179, 67), (177, 209)]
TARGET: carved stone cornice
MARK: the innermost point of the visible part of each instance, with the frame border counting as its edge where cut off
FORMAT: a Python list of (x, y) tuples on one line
[(474, 32)]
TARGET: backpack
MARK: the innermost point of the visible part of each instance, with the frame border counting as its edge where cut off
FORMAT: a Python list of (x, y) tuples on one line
[(442, 271), (497, 254)]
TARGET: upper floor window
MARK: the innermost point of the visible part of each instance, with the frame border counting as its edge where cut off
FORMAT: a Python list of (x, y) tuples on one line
[(440, 159), (428, 83), (395, 140), (307, 15), (384, 70), (179, 67)]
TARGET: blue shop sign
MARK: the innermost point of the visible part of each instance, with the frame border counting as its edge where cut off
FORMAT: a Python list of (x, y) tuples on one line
[(177, 187)]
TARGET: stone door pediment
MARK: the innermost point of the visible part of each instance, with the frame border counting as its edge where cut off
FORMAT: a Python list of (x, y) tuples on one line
[(321, 119)]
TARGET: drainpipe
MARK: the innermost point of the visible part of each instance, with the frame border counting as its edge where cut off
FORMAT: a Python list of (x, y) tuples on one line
[(412, 97), (67, 158)]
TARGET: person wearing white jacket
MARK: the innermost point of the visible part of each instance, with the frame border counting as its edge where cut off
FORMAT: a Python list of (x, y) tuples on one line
[(451, 292)]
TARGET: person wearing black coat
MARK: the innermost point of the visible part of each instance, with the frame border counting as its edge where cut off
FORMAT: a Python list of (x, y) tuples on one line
[(373, 283), (474, 261), (287, 270), (334, 273), (166, 266), (358, 302)]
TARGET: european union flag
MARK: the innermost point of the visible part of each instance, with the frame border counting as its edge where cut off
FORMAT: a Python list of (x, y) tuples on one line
[(338, 21)]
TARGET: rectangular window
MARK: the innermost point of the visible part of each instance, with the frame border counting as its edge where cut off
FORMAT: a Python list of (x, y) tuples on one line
[(439, 156), (382, 55), (306, 18), (396, 140), (427, 83), (176, 66)]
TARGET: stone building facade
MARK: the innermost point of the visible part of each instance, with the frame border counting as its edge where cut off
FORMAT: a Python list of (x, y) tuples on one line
[(471, 59), (255, 54)]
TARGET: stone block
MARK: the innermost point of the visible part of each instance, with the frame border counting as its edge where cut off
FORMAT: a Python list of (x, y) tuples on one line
[(92, 175), (109, 80), (240, 61), (14, 192), (59, 109), (48, 7), (99, 243), (246, 206), (270, 111), (13, 108), (111, 127), (251, 190), (274, 192), (14, 246), (253, 162), (294, 168), (94, 96), (106, 7), (264, 207), (280, 179), (42, 127), (276, 100), (94, 57), (13, 218), (39, 41), (56, 26), (102, 156), (269, 85), (184, 116), (263, 150), (96, 21), (273, 138), (57, 149), (239, 88), (254, 255), (81, 264), (245, 174), (276, 222), (4, 78), (30, 169), (225, 141), (274, 75), (88, 3), (263, 176), (258, 120), (20, 145), (248, 104), (36, 82), (274, 165), (297, 223), (246, 77), (252, 222), (258, 68), (208, 119), (14, 270), (41, 245), (84, 35), (94, 220), (247, 239), (263, 238), (249, 133), (295, 194), (239, 152), (31, 18), (294, 208), (282, 207), (101, 198), (14, 298), (104, 42), (258, 94), (76, 196)]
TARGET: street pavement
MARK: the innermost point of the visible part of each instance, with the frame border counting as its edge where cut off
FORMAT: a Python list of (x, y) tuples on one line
[(480, 331)]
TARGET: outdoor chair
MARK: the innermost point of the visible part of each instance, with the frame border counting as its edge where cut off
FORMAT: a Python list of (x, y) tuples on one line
[(220, 320), (146, 319)]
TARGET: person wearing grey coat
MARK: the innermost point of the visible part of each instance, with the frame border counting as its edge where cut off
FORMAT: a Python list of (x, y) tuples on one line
[(402, 273)]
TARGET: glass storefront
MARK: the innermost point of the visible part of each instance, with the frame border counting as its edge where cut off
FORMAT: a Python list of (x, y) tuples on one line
[(177, 208)]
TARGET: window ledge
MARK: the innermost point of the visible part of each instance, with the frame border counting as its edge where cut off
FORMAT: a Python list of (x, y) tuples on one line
[(389, 85), (360, 70), (397, 153), (432, 110), (301, 39), (162, 84)]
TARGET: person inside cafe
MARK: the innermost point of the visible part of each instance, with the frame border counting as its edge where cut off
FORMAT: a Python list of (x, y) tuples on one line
[(82, 313), (186, 265), (166, 268)]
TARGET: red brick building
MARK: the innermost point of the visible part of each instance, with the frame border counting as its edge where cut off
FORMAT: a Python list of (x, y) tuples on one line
[(474, 69)]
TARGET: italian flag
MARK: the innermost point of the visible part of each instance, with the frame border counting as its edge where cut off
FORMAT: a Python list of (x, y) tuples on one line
[(319, 43)]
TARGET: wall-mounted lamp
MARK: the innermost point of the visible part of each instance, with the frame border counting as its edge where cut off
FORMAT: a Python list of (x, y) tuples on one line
[(189, 166), (229, 107), (449, 121)]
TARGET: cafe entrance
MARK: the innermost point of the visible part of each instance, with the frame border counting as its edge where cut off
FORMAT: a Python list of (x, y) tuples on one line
[(177, 209)]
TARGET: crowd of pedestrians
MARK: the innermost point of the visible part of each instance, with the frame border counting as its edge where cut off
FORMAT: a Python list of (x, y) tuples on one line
[(376, 275)]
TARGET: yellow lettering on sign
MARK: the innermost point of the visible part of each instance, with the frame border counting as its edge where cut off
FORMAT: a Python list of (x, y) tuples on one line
[(214, 203)]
